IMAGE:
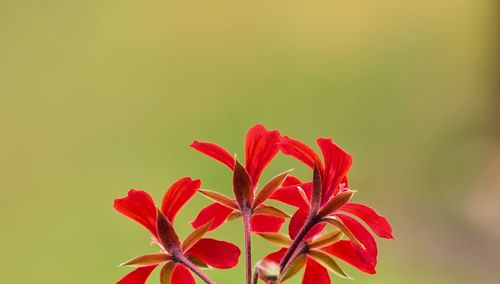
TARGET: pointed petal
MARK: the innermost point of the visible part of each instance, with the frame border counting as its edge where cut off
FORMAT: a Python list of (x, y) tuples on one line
[(220, 198), (270, 211), (242, 186), (266, 224), (216, 253), (379, 224), (139, 206), (269, 188), (214, 151), (315, 273), (277, 238), (294, 267), (299, 150), (316, 192), (292, 196), (298, 220), (137, 276), (325, 239), (166, 272), (363, 259), (177, 195), (215, 213), (335, 203), (147, 260), (337, 222), (195, 236), (166, 233), (327, 262), (337, 165), (261, 146), (181, 275)]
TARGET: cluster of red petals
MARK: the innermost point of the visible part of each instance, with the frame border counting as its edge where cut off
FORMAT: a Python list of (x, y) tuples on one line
[(333, 169), (261, 146), (139, 206)]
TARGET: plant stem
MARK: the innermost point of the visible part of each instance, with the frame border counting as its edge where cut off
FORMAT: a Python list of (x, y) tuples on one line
[(309, 223), (182, 259), (255, 276), (248, 244)]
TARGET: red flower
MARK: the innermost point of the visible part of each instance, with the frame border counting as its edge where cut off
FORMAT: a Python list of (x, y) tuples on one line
[(261, 147), (176, 258), (334, 198)]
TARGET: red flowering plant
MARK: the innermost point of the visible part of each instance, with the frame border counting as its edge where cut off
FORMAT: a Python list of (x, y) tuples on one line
[(310, 243)]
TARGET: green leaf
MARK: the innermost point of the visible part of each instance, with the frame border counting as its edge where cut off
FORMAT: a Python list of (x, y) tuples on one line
[(335, 203), (269, 188), (195, 236), (147, 260), (325, 239), (338, 223), (220, 198), (328, 262), (166, 272), (270, 211), (277, 238), (294, 267)]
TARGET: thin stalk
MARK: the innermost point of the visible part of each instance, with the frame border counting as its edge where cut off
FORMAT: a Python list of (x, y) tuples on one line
[(310, 222), (182, 259), (256, 275), (248, 244)]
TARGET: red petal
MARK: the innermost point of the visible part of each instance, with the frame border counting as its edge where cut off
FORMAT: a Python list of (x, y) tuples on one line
[(138, 275), (300, 151), (214, 151), (177, 195), (377, 223), (139, 206), (363, 259), (276, 256), (266, 224), (337, 165), (290, 195), (216, 253), (214, 212), (298, 220), (261, 146), (291, 180), (315, 273), (181, 275)]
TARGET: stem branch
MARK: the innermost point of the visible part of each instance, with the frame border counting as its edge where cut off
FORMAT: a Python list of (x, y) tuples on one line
[(182, 259), (310, 222)]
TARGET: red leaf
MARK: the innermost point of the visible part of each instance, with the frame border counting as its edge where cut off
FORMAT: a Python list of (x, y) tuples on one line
[(216, 253), (177, 195), (214, 212), (242, 187), (379, 224), (139, 206), (137, 276), (214, 151), (261, 146)]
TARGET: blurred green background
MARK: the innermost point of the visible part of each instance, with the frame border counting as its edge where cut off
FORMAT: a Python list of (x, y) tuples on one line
[(98, 97)]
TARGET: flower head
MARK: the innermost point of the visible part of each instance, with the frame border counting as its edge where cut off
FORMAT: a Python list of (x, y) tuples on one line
[(261, 146), (176, 258)]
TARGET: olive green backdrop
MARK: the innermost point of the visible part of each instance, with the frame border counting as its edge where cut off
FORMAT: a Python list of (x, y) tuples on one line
[(97, 97)]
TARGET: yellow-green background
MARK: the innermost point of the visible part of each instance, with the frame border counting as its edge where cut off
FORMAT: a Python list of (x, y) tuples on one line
[(97, 97)]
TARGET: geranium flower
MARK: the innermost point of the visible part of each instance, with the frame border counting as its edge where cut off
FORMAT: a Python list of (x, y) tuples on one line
[(261, 147), (322, 200), (316, 254), (177, 259)]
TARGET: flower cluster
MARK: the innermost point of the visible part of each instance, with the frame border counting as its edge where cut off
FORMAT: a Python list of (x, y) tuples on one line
[(323, 228)]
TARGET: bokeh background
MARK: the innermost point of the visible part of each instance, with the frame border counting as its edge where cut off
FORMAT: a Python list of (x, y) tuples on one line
[(97, 97)]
